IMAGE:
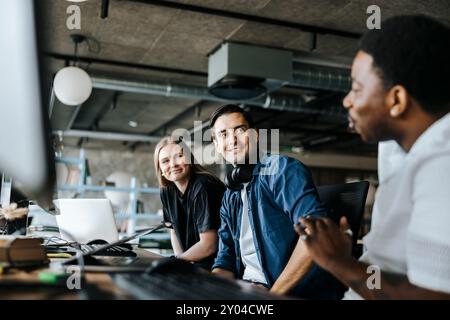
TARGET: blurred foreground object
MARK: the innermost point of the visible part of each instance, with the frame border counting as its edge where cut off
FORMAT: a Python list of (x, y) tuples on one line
[(12, 212)]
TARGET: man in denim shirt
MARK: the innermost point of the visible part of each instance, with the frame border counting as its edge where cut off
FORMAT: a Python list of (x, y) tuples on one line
[(257, 240)]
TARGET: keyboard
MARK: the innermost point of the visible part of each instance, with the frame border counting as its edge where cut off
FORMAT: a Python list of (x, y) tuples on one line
[(177, 285), (113, 251)]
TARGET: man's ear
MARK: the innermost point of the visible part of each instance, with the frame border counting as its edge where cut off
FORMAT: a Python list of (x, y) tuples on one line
[(397, 101), (253, 133), (215, 143), (214, 140)]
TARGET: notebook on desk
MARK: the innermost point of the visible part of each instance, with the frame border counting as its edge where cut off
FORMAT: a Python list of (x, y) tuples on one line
[(93, 262)]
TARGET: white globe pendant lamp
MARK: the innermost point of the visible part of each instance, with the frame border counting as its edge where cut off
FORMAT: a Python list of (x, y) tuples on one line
[(72, 85)]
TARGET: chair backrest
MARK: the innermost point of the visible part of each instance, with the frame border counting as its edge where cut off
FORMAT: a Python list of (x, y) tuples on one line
[(347, 200)]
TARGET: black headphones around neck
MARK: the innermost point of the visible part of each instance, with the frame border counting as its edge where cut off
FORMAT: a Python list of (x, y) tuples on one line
[(240, 174)]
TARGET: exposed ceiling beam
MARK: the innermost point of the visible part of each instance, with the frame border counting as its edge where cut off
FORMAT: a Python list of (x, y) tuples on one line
[(168, 123), (100, 135), (73, 117), (176, 118), (95, 120), (330, 140), (271, 117), (204, 126), (110, 104), (328, 130)]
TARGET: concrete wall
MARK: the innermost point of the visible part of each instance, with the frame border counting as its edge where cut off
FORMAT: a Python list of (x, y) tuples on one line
[(102, 163)]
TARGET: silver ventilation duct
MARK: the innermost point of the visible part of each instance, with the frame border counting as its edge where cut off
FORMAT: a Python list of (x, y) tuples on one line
[(323, 78), (240, 71), (276, 101)]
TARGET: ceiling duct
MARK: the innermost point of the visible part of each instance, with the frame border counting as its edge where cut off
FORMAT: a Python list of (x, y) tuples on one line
[(242, 72), (322, 78), (275, 101)]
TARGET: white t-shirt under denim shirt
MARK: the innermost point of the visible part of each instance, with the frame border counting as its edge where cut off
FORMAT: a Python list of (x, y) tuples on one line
[(410, 232), (253, 270)]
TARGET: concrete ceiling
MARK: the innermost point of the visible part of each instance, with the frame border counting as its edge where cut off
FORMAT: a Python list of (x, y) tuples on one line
[(141, 40)]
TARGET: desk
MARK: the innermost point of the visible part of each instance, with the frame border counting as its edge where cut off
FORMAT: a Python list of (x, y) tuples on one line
[(182, 282), (21, 285)]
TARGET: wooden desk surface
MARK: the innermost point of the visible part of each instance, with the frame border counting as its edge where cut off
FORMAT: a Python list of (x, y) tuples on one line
[(16, 284)]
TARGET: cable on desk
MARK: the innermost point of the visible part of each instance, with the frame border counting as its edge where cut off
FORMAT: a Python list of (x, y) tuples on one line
[(78, 256), (62, 242)]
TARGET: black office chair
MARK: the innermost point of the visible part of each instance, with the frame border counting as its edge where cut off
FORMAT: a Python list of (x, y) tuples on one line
[(347, 200)]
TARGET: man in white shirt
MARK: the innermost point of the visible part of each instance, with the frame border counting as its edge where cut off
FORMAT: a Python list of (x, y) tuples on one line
[(400, 92)]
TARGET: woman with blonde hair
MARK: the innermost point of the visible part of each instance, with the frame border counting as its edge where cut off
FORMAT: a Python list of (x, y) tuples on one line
[(191, 198)]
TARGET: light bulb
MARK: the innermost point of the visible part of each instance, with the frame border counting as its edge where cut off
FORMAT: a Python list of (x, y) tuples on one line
[(133, 124)]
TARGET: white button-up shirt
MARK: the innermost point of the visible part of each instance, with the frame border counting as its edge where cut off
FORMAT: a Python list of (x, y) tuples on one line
[(410, 231)]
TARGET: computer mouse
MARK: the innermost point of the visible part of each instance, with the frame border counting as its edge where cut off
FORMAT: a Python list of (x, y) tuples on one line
[(97, 241), (172, 264)]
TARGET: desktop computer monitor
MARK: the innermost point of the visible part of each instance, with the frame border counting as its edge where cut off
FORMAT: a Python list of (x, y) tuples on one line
[(25, 138)]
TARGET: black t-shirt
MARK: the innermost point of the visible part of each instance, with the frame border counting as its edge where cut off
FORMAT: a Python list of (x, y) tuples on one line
[(194, 212)]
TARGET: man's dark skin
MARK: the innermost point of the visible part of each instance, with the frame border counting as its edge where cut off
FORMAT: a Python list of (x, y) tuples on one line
[(377, 114)]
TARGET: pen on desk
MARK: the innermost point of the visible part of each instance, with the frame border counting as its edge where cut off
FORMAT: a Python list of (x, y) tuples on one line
[(59, 255)]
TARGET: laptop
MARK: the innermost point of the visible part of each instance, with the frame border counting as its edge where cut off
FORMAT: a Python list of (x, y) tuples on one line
[(84, 220), (93, 263)]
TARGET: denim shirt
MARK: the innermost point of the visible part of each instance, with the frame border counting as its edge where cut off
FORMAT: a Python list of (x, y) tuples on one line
[(280, 192)]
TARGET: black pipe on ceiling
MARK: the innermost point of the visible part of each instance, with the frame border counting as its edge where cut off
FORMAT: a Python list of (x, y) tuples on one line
[(104, 9), (66, 57), (252, 18)]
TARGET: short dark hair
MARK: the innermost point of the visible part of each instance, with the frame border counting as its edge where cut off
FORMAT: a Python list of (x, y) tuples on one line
[(231, 108), (413, 51)]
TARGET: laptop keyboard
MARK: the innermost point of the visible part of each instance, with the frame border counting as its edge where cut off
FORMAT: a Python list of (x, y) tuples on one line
[(177, 285), (113, 251)]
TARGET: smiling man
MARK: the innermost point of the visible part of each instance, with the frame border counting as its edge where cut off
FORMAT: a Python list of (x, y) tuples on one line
[(265, 197), (400, 92)]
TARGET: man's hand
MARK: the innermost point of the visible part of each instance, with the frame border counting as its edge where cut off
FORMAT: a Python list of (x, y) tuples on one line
[(326, 243), (11, 212), (259, 286), (252, 285), (223, 273), (330, 247)]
